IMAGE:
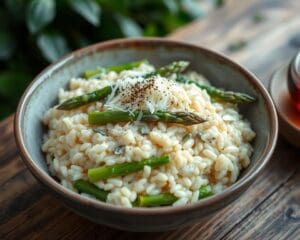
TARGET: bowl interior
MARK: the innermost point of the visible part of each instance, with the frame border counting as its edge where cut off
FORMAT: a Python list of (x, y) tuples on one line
[(42, 94)]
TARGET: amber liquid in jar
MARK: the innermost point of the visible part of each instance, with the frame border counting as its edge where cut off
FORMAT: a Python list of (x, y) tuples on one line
[(294, 91)]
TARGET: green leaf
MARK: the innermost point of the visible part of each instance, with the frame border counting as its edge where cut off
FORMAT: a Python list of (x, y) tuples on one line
[(12, 84), (192, 8), (16, 8), (128, 27), (120, 6), (171, 22), (39, 14), (151, 30), (171, 5), (89, 9), (3, 18), (52, 45), (7, 45)]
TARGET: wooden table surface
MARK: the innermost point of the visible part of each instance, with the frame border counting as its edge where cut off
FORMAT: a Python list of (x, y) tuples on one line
[(270, 209)]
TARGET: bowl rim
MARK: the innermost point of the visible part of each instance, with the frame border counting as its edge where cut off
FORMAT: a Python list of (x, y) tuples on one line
[(49, 181)]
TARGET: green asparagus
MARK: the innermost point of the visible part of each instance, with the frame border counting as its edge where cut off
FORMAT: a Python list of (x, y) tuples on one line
[(218, 94), (156, 200), (168, 70), (168, 198), (117, 68), (99, 94), (205, 191), (85, 99), (101, 173), (115, 116), (89, 188)]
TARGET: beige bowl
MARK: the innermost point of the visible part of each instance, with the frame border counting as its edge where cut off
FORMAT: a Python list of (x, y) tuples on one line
[(221, 71)]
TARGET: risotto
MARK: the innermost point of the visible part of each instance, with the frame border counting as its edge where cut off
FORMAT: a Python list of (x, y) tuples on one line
[(136, 136)]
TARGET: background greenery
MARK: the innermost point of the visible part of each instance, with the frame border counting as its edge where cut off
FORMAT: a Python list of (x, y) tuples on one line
[(34, 33)]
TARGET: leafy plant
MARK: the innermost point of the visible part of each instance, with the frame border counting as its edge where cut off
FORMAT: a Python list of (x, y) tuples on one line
[(237, 45), (34, 33)]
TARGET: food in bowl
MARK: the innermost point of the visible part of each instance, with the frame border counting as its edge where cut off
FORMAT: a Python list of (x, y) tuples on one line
[(134, 135)]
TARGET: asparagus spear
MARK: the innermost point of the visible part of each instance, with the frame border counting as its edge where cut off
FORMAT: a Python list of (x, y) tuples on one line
[(168, 198), (99, 94), (218, 94), (205, 191), (89, 188), (114, 116), (168, 70), (156, 200), (85, 99), (122, 169), (118, 68), (175, 67)]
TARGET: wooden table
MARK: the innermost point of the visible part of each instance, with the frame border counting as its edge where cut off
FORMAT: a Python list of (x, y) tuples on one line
[(270, 209)]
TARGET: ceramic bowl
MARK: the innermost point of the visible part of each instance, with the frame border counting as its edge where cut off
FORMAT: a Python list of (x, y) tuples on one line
[(221, 71)]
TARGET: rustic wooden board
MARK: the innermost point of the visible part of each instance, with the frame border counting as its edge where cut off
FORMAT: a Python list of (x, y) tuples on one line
[(270, 209)]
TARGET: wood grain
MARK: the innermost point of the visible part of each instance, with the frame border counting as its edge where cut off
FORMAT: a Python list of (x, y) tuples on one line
[(270, 209), (269, 43)]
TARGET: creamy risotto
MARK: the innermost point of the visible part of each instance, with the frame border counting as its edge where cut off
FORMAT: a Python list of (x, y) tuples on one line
[(135, 136)]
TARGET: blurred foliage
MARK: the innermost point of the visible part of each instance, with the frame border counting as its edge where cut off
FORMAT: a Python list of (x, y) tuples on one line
[(34, 33), (258, 17), (237, 45)]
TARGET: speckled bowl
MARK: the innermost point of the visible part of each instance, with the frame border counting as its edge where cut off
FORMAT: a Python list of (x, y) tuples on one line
[(221, 71)]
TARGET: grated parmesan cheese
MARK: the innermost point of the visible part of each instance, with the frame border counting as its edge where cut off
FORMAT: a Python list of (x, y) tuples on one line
[(150, 94)]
